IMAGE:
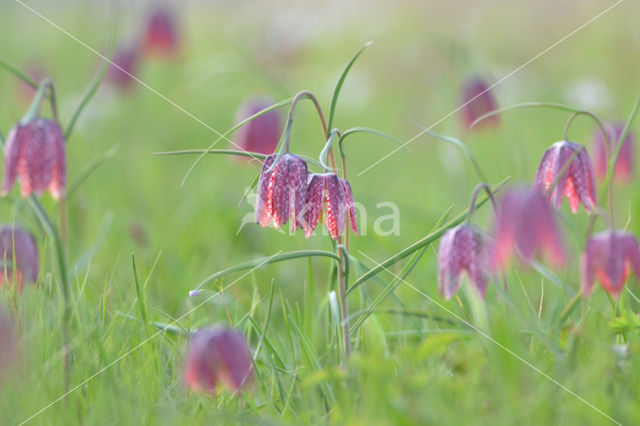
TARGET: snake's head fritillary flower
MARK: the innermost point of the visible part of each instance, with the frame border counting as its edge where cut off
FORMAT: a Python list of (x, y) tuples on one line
[(325, 197), (36, 153), (161, 36), (568, 165), (124, 67), (477, 100), (218, 355), (625, 166), (463, 249), (8, 342), (261, 134), (19, 249), (351, 207), (525, 223), (282, 191), (610, 256)]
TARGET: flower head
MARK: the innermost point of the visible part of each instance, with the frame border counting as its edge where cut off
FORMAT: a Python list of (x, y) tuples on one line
[(525, 224), (19, 249), (218, 355), (477, 100), (261, 134), (463, 249), (124, 67), (610, 256), (282, 191), (625, 166), (36, 153), (162, 33), (576, 182), (330, 196)]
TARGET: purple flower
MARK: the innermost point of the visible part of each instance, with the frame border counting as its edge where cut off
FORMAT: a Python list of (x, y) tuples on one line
[(36, 153), (282, 191), (18, 248), (261, 134), (625, 167), (610, 256), (325, 189), (477, 100), (125, 66), (162, 34), (525, 224), (576, 182), (463, 249), (218, 355)]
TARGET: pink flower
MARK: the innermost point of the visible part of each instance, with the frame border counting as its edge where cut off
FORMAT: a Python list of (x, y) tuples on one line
[(218, 355), (17, 247), (525, 223), (625, 166), (328, 191), (477, 100), (124, 68), (261, 134), (576, 182), (282, 191), (162, 34), (610, 256), (463, 249), (36, 153)]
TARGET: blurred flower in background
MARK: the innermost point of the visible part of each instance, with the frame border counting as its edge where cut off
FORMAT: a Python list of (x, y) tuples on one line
[(261, 134), (161, 36), (126, 62), (19, 249), (218, 355), (477, 100), (625, 166)]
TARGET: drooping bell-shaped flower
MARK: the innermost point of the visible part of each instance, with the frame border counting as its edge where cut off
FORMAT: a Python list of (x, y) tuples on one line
[(282, 191), (351, 207), (463, 249), (19, 249), (36, 153), (525, 224), (609, 256), (325, 194), (161, 37), (261, 134), (124, 67), (567, 164), (218, 355), (477, 100), (625, 166)]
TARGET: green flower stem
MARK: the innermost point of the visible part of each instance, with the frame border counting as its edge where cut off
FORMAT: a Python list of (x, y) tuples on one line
[(474, 197), (34, 108)]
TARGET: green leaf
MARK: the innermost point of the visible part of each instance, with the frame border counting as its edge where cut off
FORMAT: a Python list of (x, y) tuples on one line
[(336, 90)]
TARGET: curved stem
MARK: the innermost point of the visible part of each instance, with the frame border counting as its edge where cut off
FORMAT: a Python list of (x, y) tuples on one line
[(327, 148), (34, 108), (294, 102), (472, 207)]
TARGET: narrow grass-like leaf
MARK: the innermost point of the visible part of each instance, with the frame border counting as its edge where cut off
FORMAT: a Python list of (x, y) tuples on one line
[(266, 261), (142, 305), (338, 88), (266, 324)]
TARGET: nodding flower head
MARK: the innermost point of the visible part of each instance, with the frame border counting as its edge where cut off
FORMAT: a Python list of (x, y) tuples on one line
[(36, 153), (330, 196), (161, 36), (568, 165), (610, 256), (463, 249), (261, 134), (282, 191), (19, 249), (218, 355), (625, 166), (125, 64), (525, 223), (477, 100)]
